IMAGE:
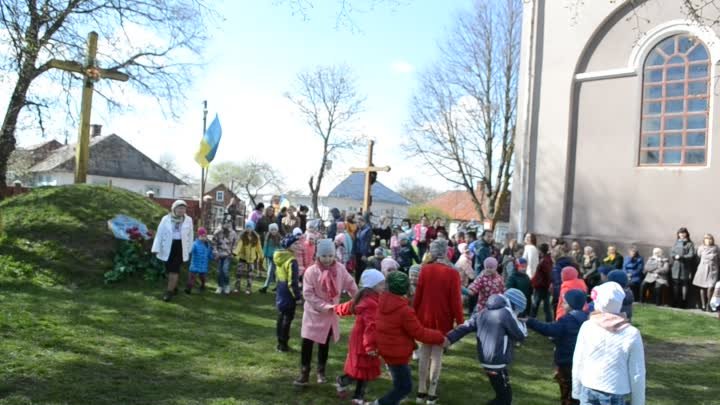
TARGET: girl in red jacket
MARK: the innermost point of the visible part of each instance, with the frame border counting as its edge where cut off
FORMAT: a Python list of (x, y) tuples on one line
[(397, 329), (362, 364)]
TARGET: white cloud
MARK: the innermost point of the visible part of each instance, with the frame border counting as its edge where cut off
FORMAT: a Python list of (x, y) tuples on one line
[(402, 67)]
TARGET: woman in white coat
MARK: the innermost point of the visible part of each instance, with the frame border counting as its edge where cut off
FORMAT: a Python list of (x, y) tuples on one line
[(173, 242)]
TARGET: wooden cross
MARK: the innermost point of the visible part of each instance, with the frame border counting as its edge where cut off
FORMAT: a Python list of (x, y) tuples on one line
[(91, 73), (370, 177)]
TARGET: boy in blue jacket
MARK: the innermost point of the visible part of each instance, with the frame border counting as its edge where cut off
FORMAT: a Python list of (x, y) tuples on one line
[(288, 290), (564, 333), (497, 329), (200, 257)]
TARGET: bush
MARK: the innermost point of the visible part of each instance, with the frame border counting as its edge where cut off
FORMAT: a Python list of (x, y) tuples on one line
[(133, 256), (416, 212)]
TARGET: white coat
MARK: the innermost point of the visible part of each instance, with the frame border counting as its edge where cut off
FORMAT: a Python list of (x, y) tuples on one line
[(164, 238)]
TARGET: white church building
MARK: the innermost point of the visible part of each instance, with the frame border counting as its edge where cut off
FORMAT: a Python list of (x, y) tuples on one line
[(617, 124)]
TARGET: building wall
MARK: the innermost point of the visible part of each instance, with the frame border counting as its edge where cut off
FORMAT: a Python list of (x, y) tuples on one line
[(583, 132), (162, 190)]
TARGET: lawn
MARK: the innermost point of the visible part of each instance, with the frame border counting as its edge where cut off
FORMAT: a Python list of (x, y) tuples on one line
[(119, 344)]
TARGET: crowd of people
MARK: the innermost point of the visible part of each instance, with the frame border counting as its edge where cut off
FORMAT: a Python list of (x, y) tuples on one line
[(413, 284)]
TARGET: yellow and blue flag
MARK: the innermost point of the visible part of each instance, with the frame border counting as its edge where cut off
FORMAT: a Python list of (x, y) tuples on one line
[(209, 144)]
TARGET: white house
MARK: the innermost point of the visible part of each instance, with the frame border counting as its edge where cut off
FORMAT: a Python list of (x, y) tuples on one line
[(348, 196), (112, 161)]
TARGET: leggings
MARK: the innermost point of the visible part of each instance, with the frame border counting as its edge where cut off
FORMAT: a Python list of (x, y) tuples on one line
[(323, 352), (191, 279), (244, 269), (430, 366)]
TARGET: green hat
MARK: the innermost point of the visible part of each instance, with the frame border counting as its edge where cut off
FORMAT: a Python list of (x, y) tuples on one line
[(398, 283)]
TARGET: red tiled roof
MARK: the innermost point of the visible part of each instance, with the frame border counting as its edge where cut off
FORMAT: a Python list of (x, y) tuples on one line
[(459, 206)]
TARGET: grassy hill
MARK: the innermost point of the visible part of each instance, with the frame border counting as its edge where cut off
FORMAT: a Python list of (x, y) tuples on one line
[(60, 234)]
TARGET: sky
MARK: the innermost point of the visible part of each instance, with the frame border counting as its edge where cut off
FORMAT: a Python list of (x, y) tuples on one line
[(252, 58)]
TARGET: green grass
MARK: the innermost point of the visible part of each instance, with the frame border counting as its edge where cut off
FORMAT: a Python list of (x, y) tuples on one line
[(59, 234), (122, 345)]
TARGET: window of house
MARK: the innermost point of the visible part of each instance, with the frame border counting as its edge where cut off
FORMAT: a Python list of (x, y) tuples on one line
[(220, 196), (154, 188), (676, 94)]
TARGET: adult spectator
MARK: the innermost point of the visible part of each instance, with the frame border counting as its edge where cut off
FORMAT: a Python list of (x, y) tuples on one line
[(363, 246), (332, 228), (633, 266), (257, 213), (613, 258), (484, 248), (173, 242), (302, 217), (262, 227), (561, 260), (438, 304), (657, 274), (531, 254), (707, 272), (421, 235), (683, 254), (232, 210)]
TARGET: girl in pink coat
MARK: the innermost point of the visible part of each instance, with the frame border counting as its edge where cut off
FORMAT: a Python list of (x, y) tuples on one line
[(323, 283)]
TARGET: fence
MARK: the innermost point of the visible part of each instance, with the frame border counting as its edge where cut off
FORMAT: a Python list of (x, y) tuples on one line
[(13, 191)]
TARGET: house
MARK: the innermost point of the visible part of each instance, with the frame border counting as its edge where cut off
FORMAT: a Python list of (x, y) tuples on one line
[(348, 196), (458, 205), (219, 198), (617, 123), (23, 159), (112, 161)]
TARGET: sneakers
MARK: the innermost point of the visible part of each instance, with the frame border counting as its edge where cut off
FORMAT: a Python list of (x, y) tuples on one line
[(219, 290), (431, 400), (421, 398), (321, 379), (248, 292), (263, 290), (282, 348), (167, 296), (227, 290), (340, 387)]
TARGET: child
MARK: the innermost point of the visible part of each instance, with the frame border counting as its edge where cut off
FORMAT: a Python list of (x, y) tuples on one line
[(488, 283), (388, 265), (300, 250), (397, 329), (224, 241), (464, 265), (288, 289), (322, 284), (272, 243), (395, 243), (570, 281), (374, 261), (609, 359), (200, 257), (564, 334), (250, 256), (497, 330), (541, 283), (621, 278), (520, 280), (341, 254), (414, 276), (407, 255), (362, 363)]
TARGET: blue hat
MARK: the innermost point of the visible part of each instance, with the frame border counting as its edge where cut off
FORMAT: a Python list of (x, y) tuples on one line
[(250, 225), (288, 241), (619, 277), (517, 299), (605, 270), (576, 299)]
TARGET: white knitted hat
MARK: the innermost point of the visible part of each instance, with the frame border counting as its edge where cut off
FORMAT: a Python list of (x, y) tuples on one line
[(608, 297), (370, 278)]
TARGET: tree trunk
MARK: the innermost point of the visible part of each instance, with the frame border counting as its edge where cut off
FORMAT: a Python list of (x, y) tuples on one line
[(7, 134)]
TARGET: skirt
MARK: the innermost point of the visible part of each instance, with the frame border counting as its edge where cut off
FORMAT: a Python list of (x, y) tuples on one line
[(176, 257)]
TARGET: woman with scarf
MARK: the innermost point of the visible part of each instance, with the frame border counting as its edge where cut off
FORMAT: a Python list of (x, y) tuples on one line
[(323, 283), (172, 244)]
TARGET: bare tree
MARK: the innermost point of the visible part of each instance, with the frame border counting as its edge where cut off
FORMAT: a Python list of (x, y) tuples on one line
[(702, 12), (463, 116), (346, 9), (155, 42), (414, 192), (329, 102), (249, 179)]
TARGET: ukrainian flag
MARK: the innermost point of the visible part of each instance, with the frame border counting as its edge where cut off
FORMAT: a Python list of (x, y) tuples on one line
[(209, 144)]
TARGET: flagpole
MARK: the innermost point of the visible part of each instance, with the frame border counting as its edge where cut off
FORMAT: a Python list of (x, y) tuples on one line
[(203, 175)]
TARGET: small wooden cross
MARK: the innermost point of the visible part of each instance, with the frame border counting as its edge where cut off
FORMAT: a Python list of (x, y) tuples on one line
[(370, 176), (91, 73)]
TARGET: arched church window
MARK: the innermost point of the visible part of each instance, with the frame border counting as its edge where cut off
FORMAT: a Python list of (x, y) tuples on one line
[(676, 94)]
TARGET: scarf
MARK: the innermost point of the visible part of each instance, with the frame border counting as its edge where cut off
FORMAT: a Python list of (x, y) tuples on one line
[(328, 276), (177, 219)]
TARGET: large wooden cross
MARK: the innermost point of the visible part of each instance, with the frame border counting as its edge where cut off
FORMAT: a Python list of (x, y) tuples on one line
[(91, 73), (370, 177)]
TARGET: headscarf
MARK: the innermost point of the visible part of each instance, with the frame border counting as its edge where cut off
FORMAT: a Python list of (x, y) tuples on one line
[(177, 219)]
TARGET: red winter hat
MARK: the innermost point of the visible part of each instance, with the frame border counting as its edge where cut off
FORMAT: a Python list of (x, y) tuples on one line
[(569, 273), (202, 231)]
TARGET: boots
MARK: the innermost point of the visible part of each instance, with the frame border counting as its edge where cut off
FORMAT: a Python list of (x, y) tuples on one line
[(304, 379), (321, 379)]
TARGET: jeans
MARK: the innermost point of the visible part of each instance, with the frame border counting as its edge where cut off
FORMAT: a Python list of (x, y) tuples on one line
[(270, 273), (541, 296), (402, 385), (284, 322), (430, 365), (500, 381), (591, 397), (223, 271)]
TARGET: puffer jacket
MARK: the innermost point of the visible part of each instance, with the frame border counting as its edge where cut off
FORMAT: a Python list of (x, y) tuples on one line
[(397, 329), (564, 333), (556, 278), (496, 329), (633, 267), (288, 287), (200, 256)]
